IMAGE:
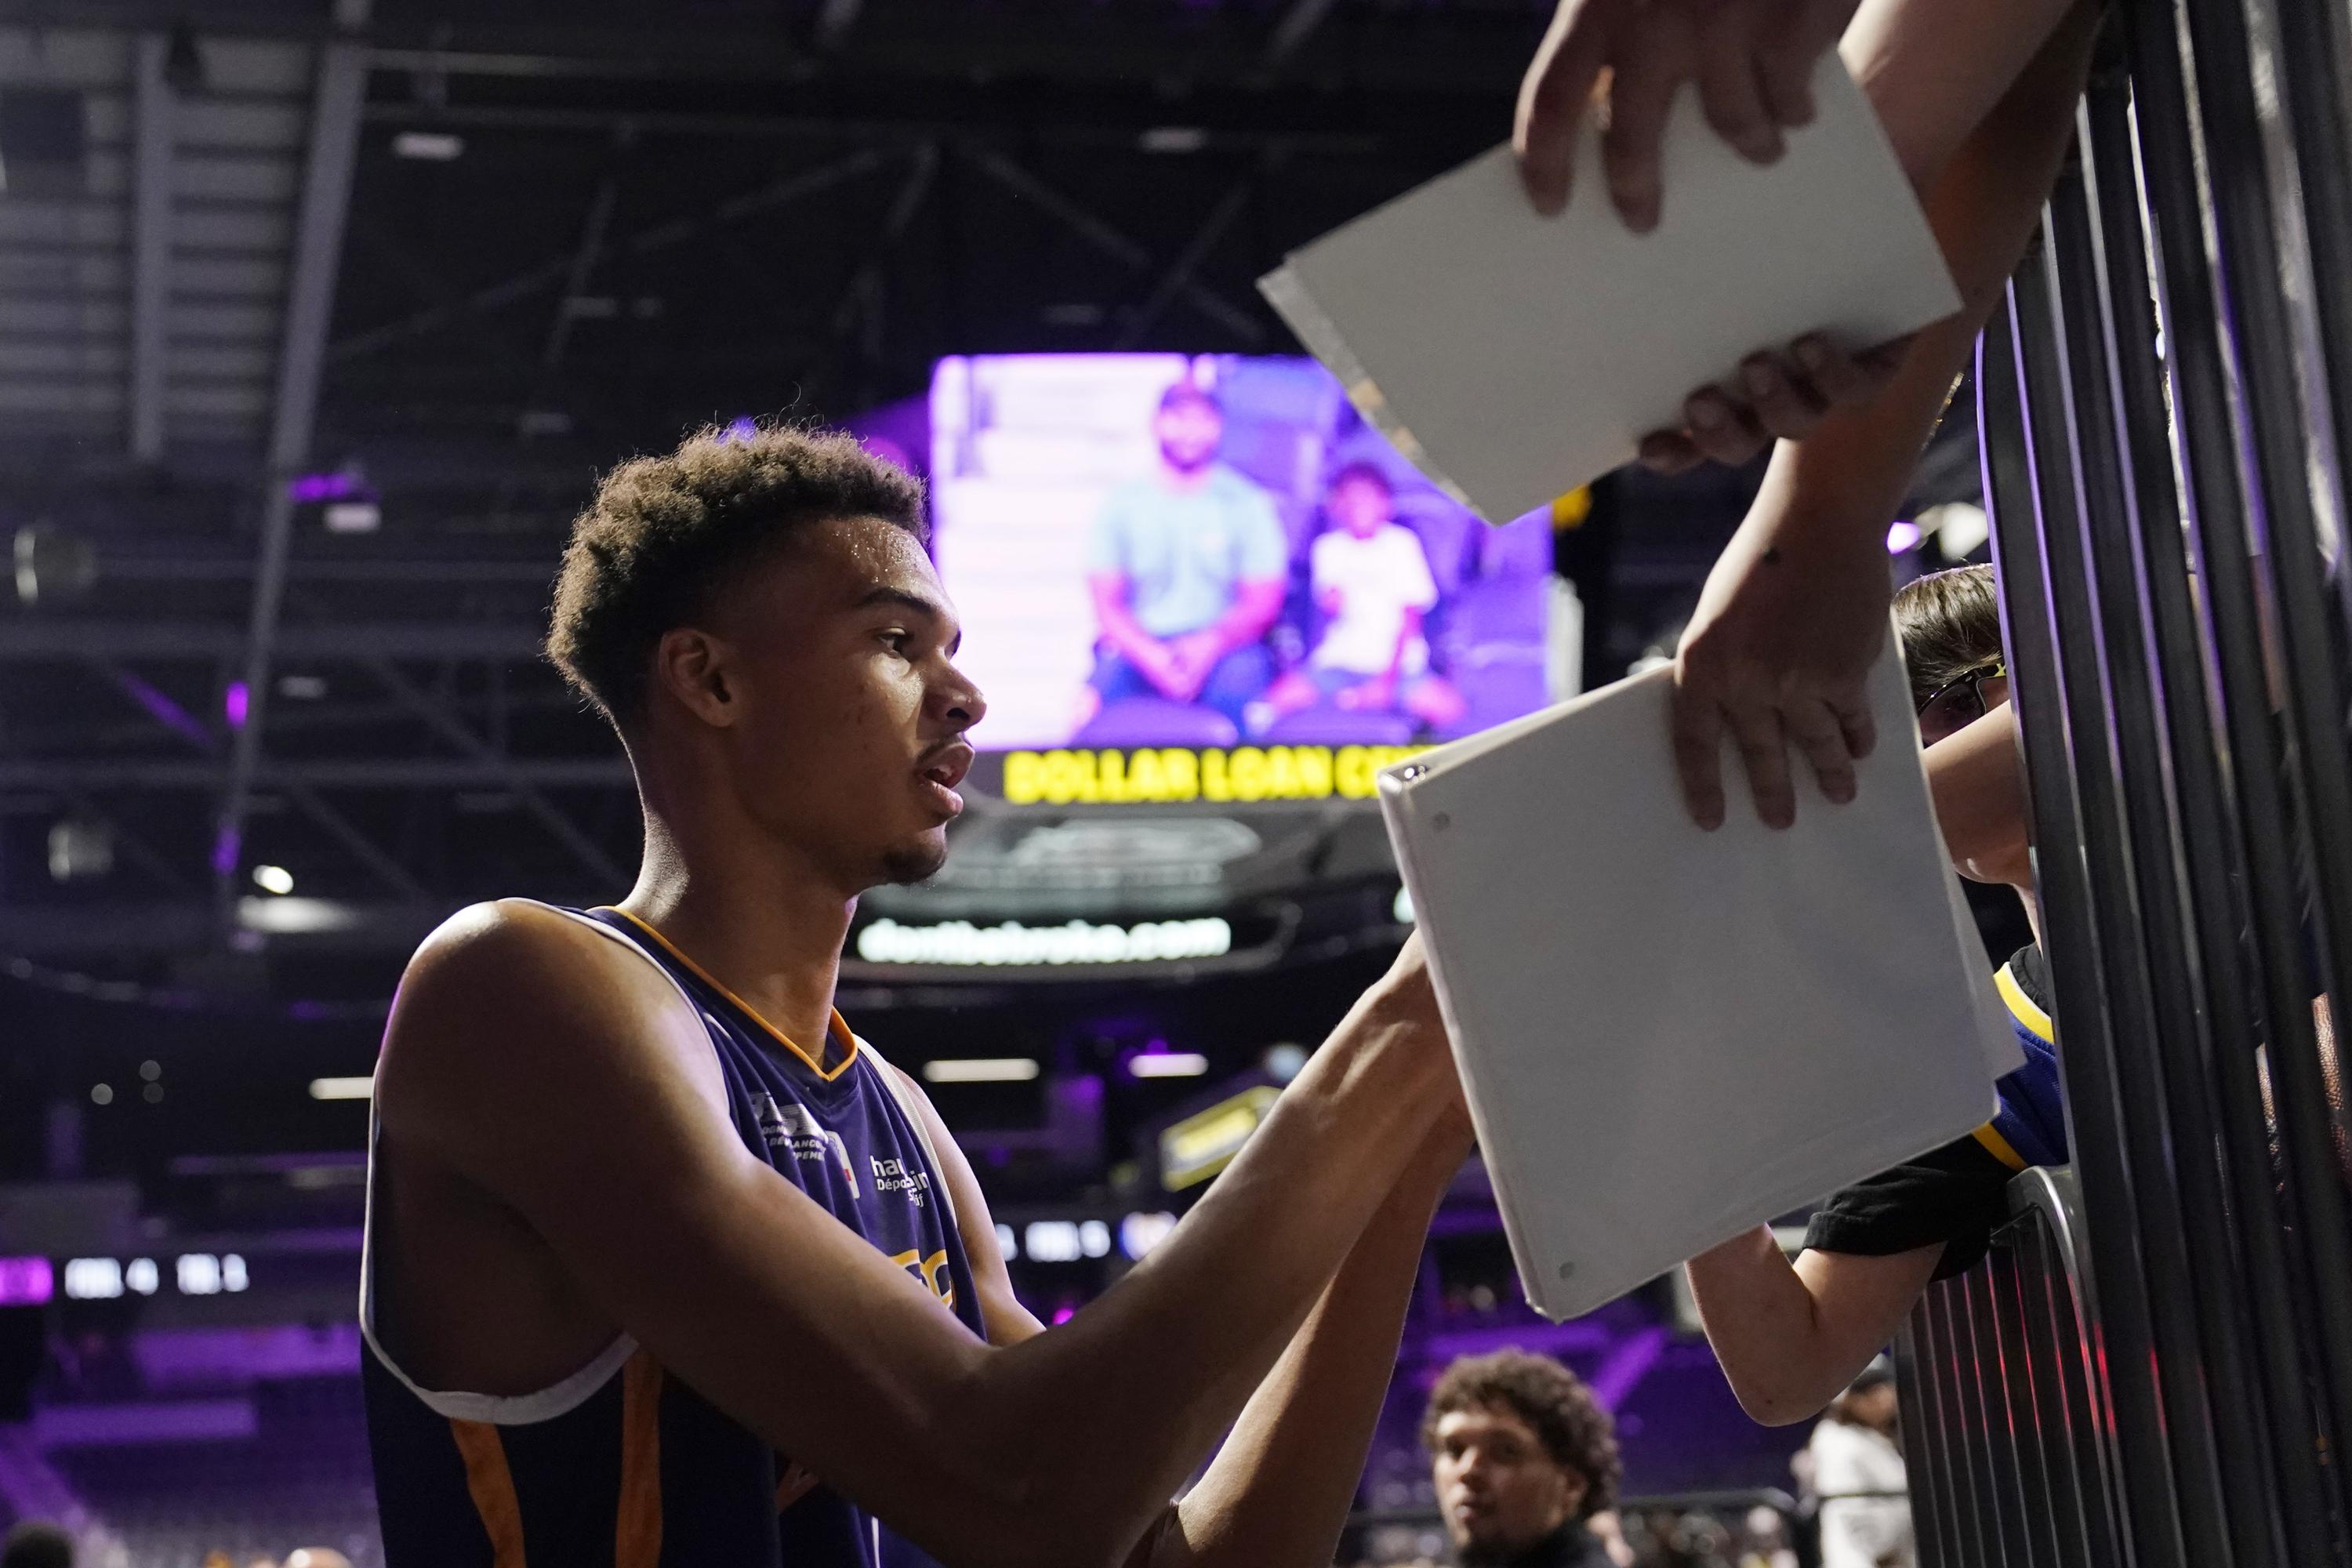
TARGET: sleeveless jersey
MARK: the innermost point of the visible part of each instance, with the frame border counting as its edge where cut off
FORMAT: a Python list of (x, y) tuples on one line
[(621, 1464)]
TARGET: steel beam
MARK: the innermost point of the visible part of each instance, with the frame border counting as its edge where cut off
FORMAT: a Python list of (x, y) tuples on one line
[(310, 294), (438, 719), (59, 775), (1298, 24), (1129, 253), (171, 716), (1180, 272), (153, 107), (553, 271), (25, 638)]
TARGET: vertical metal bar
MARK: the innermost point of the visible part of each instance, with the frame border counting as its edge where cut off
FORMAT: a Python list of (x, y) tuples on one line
[(2196, 301), (1972, 1544), (2135, 872), (2002, 1321), (2107, 261), (1920, 1438), (2076, 1496), (2004, 1485), (2124, 1354), (2311, 62), (1933, 1462)]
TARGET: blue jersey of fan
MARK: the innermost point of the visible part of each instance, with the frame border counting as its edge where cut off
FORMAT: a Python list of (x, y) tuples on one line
[(2030, 1128), (621, 1465)]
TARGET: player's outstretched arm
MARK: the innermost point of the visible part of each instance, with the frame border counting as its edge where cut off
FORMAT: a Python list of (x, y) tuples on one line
[(1790, 1337), (1062, 1449), (1279, 1493)]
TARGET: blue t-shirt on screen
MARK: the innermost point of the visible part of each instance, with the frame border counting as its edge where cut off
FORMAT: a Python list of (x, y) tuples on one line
[(1185, 553)]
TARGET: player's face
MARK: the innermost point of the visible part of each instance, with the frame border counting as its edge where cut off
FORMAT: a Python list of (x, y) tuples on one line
[(1500, 1487), (1362, 507), (1189, 431), (850, 735)]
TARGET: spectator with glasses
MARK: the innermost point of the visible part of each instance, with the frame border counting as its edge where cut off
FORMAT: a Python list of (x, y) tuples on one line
[(1794, 1336)]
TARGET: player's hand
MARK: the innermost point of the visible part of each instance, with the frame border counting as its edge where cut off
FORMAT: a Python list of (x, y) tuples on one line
[(1753, 61), (1777, 656), (1776, 395)]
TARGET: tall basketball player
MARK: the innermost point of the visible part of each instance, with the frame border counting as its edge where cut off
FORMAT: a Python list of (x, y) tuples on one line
[(665, 1267)]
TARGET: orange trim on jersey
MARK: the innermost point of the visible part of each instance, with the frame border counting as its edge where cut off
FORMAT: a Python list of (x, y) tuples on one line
[(840, 1026), (1998, 1148), (799, 1480), (491, 1485), (637, 1533)]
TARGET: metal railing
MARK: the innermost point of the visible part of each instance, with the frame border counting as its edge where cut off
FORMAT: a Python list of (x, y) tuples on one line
[(2166, 1378)]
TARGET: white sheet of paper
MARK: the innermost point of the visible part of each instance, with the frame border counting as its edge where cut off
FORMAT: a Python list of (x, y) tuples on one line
[(1668, 1036), (1513, 357)]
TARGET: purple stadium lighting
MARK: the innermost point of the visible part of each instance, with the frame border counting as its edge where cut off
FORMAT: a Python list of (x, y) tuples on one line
[(26, 1283), (236, 704), (1903, 536), (226, 847), (741, 429), (308, 488)]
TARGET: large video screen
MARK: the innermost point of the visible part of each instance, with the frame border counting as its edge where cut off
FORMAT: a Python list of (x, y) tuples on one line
[(1159, 551)]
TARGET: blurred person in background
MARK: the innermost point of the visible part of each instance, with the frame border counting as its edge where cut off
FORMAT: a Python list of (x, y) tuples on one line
[(1371, 585), (1188, 570), (1866, 1506), (34, 1544), (1524, 1457)]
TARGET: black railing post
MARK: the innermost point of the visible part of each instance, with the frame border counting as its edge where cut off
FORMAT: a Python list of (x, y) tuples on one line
[(2116, 1291)]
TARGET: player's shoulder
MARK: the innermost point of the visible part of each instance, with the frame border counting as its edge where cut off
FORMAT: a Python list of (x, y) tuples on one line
[(499, 942), (517, 972)]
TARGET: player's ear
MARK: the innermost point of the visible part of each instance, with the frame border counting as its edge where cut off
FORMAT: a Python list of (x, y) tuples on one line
[(697, 669)]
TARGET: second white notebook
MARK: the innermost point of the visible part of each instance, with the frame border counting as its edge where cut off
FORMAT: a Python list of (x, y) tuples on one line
[(1668, 1036)]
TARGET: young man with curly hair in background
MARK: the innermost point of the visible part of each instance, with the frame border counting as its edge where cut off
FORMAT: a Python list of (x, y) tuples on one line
[(1525, 1458)]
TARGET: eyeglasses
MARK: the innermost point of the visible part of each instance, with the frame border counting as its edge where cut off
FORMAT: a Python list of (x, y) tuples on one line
[(1960, 702)]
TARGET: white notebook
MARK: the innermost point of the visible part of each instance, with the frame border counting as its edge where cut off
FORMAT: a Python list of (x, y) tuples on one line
[(1669, 1035), (1513, 357)]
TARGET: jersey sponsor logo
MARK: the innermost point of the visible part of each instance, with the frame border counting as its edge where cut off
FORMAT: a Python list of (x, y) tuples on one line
[(793, 1128), (931, 1271), (892, 1176)]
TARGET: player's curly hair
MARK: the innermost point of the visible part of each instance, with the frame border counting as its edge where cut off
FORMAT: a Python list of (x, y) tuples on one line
[(1550, 1399), (1949, 623), (662, 533)]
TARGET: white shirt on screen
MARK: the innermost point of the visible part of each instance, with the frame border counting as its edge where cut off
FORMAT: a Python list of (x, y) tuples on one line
[(1377, 580), (1854, 1470)]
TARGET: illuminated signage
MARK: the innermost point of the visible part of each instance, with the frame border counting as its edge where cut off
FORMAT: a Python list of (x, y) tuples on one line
[(1140, 1233), (26, 1281), (960, 943), (1079, 776), (1201, 1145), (193, 1274)]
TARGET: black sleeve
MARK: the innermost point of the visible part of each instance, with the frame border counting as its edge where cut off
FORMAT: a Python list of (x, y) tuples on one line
[(1957, 1195)]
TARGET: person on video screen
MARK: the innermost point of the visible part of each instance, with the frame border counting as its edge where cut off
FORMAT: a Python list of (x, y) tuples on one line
[(1188, 569), (1372, 586)]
